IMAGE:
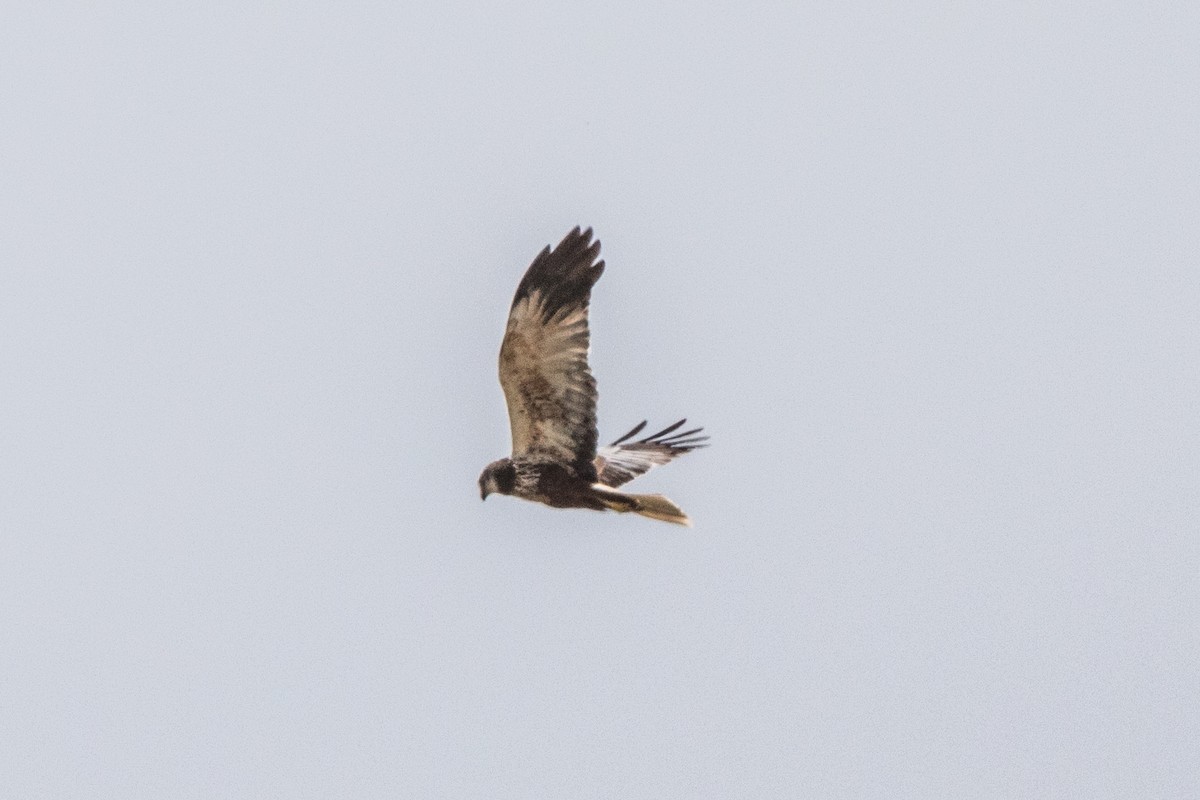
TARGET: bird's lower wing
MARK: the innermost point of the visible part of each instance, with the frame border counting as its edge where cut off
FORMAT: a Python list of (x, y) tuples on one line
[(622, 461)]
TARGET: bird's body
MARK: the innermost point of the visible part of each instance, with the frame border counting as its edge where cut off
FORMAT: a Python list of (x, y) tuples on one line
[(551, 397)]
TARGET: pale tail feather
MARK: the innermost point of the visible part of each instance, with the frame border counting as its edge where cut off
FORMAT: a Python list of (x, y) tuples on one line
[(654, 506)]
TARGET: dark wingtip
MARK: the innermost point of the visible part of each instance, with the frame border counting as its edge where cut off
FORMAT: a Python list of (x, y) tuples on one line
[(636, 430), (564, 274), (665, 431), (684, 440), (577, 237)]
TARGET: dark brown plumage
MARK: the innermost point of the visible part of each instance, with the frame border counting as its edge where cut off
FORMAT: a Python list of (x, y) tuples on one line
[(551, 397)]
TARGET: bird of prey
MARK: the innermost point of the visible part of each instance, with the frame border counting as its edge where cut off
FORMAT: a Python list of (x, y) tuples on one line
[(551, 397)]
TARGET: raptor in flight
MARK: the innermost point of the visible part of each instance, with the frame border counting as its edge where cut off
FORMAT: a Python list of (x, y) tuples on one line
[(551, 398)]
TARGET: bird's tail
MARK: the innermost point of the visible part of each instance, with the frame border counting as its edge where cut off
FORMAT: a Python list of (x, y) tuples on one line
[(654, 506)]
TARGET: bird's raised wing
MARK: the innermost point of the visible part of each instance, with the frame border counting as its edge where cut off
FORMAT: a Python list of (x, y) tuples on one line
[(622, 461), (550, 391)]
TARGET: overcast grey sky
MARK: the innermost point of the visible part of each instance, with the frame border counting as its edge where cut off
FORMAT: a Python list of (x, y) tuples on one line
[(928, 274)]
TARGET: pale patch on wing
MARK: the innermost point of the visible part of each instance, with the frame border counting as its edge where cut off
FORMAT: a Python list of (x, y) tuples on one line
[(621, 462), (550, 391)]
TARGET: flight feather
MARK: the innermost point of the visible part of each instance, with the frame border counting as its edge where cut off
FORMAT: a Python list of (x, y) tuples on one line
[(549, 389)]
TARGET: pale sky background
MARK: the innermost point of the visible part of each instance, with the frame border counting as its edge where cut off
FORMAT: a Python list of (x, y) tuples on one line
[(929, 274)]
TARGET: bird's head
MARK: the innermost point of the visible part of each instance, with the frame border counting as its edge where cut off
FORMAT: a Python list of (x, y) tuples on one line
[(499, 477)]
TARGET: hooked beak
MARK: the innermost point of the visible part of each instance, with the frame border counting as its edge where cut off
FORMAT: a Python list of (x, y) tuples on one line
[(483, 493)]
